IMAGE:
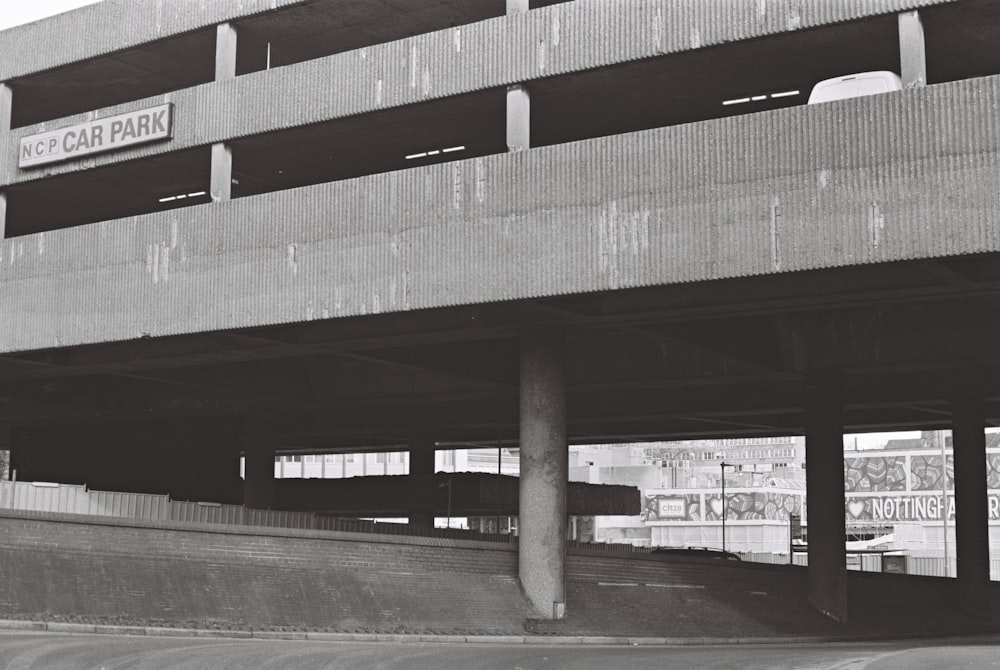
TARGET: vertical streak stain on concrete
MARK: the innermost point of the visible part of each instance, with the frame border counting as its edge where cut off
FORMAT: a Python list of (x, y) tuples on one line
[(657, 28), (165, 263), (156, 263), (413, 66), (775, 234), (876, 223)]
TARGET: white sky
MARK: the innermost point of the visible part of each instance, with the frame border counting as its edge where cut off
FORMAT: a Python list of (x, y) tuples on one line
[(876, 440), (16, 12)]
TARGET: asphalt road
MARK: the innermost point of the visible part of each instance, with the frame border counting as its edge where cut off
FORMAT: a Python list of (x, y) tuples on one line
[(54, 651)]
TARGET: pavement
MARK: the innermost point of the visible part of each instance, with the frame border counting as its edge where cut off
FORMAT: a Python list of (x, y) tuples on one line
[(991, 637)]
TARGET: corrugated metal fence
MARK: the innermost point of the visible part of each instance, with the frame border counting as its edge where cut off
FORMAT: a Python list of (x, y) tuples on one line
[(928, 566), (77, 499)]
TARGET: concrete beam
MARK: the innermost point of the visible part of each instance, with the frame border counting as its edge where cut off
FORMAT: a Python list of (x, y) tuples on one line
[(544, 459), (972, 543), (825, 495), (518, 118), (225, 51), (221, 181), (912, 51)]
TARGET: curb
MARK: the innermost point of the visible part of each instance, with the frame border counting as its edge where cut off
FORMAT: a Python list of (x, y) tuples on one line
[(526, 640)]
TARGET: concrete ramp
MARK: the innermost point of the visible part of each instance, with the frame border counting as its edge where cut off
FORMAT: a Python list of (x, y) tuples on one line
[(109, 570)]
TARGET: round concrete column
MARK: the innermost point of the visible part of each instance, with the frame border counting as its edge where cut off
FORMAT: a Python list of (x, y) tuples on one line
[(544, 472), (258, 467), (972, 542), (825, 496)]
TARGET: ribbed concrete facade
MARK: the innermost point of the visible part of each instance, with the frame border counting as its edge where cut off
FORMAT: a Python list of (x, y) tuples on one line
[(858, 181), (571, 36), (564, 38)]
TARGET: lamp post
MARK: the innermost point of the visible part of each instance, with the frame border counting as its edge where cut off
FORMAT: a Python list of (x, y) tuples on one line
[(722, 468), (944, 496)]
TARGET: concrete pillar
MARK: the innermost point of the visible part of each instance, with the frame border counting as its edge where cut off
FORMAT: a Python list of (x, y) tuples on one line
[(221, 181), (544, 472), (517, 6), (824, 424), (225, 51), (912, 52), (258, 466), (5, 442), (422, 468), (518, 118), (972, 543), (6, 107)]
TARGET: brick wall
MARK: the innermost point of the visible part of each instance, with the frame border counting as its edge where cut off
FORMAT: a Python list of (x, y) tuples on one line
[(91, 567)]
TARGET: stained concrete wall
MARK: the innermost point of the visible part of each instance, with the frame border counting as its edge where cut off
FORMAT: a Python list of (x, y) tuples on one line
[(547, 41), (848, 182)]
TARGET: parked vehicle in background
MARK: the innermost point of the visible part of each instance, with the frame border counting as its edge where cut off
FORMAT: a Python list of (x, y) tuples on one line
[(695, 552), (855, 86)]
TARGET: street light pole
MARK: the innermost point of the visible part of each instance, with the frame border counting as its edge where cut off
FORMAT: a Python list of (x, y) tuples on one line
[(722, 469)]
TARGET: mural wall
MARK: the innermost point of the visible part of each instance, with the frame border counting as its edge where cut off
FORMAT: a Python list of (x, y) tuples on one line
[(909, 486), (744, 504)]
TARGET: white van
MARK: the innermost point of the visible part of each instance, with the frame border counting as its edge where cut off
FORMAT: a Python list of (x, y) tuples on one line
[(855, 86)]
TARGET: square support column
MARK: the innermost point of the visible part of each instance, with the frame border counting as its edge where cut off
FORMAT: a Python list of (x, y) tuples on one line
[(6, 107), (825, 495), (544, 458), (221, 180), (258, 466), (5, 442), (912, 51), (225, 51), (422, 455), (518, 118), (972, 539), (517, 6)]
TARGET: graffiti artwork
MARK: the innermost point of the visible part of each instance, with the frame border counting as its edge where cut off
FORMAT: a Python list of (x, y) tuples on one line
[(914, 486), (741, 505)]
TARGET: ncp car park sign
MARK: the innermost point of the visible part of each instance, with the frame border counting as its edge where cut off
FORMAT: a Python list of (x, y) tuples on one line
[(107, 134)]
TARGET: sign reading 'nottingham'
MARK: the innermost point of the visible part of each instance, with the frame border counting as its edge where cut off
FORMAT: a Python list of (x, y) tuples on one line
[(107, 134)]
